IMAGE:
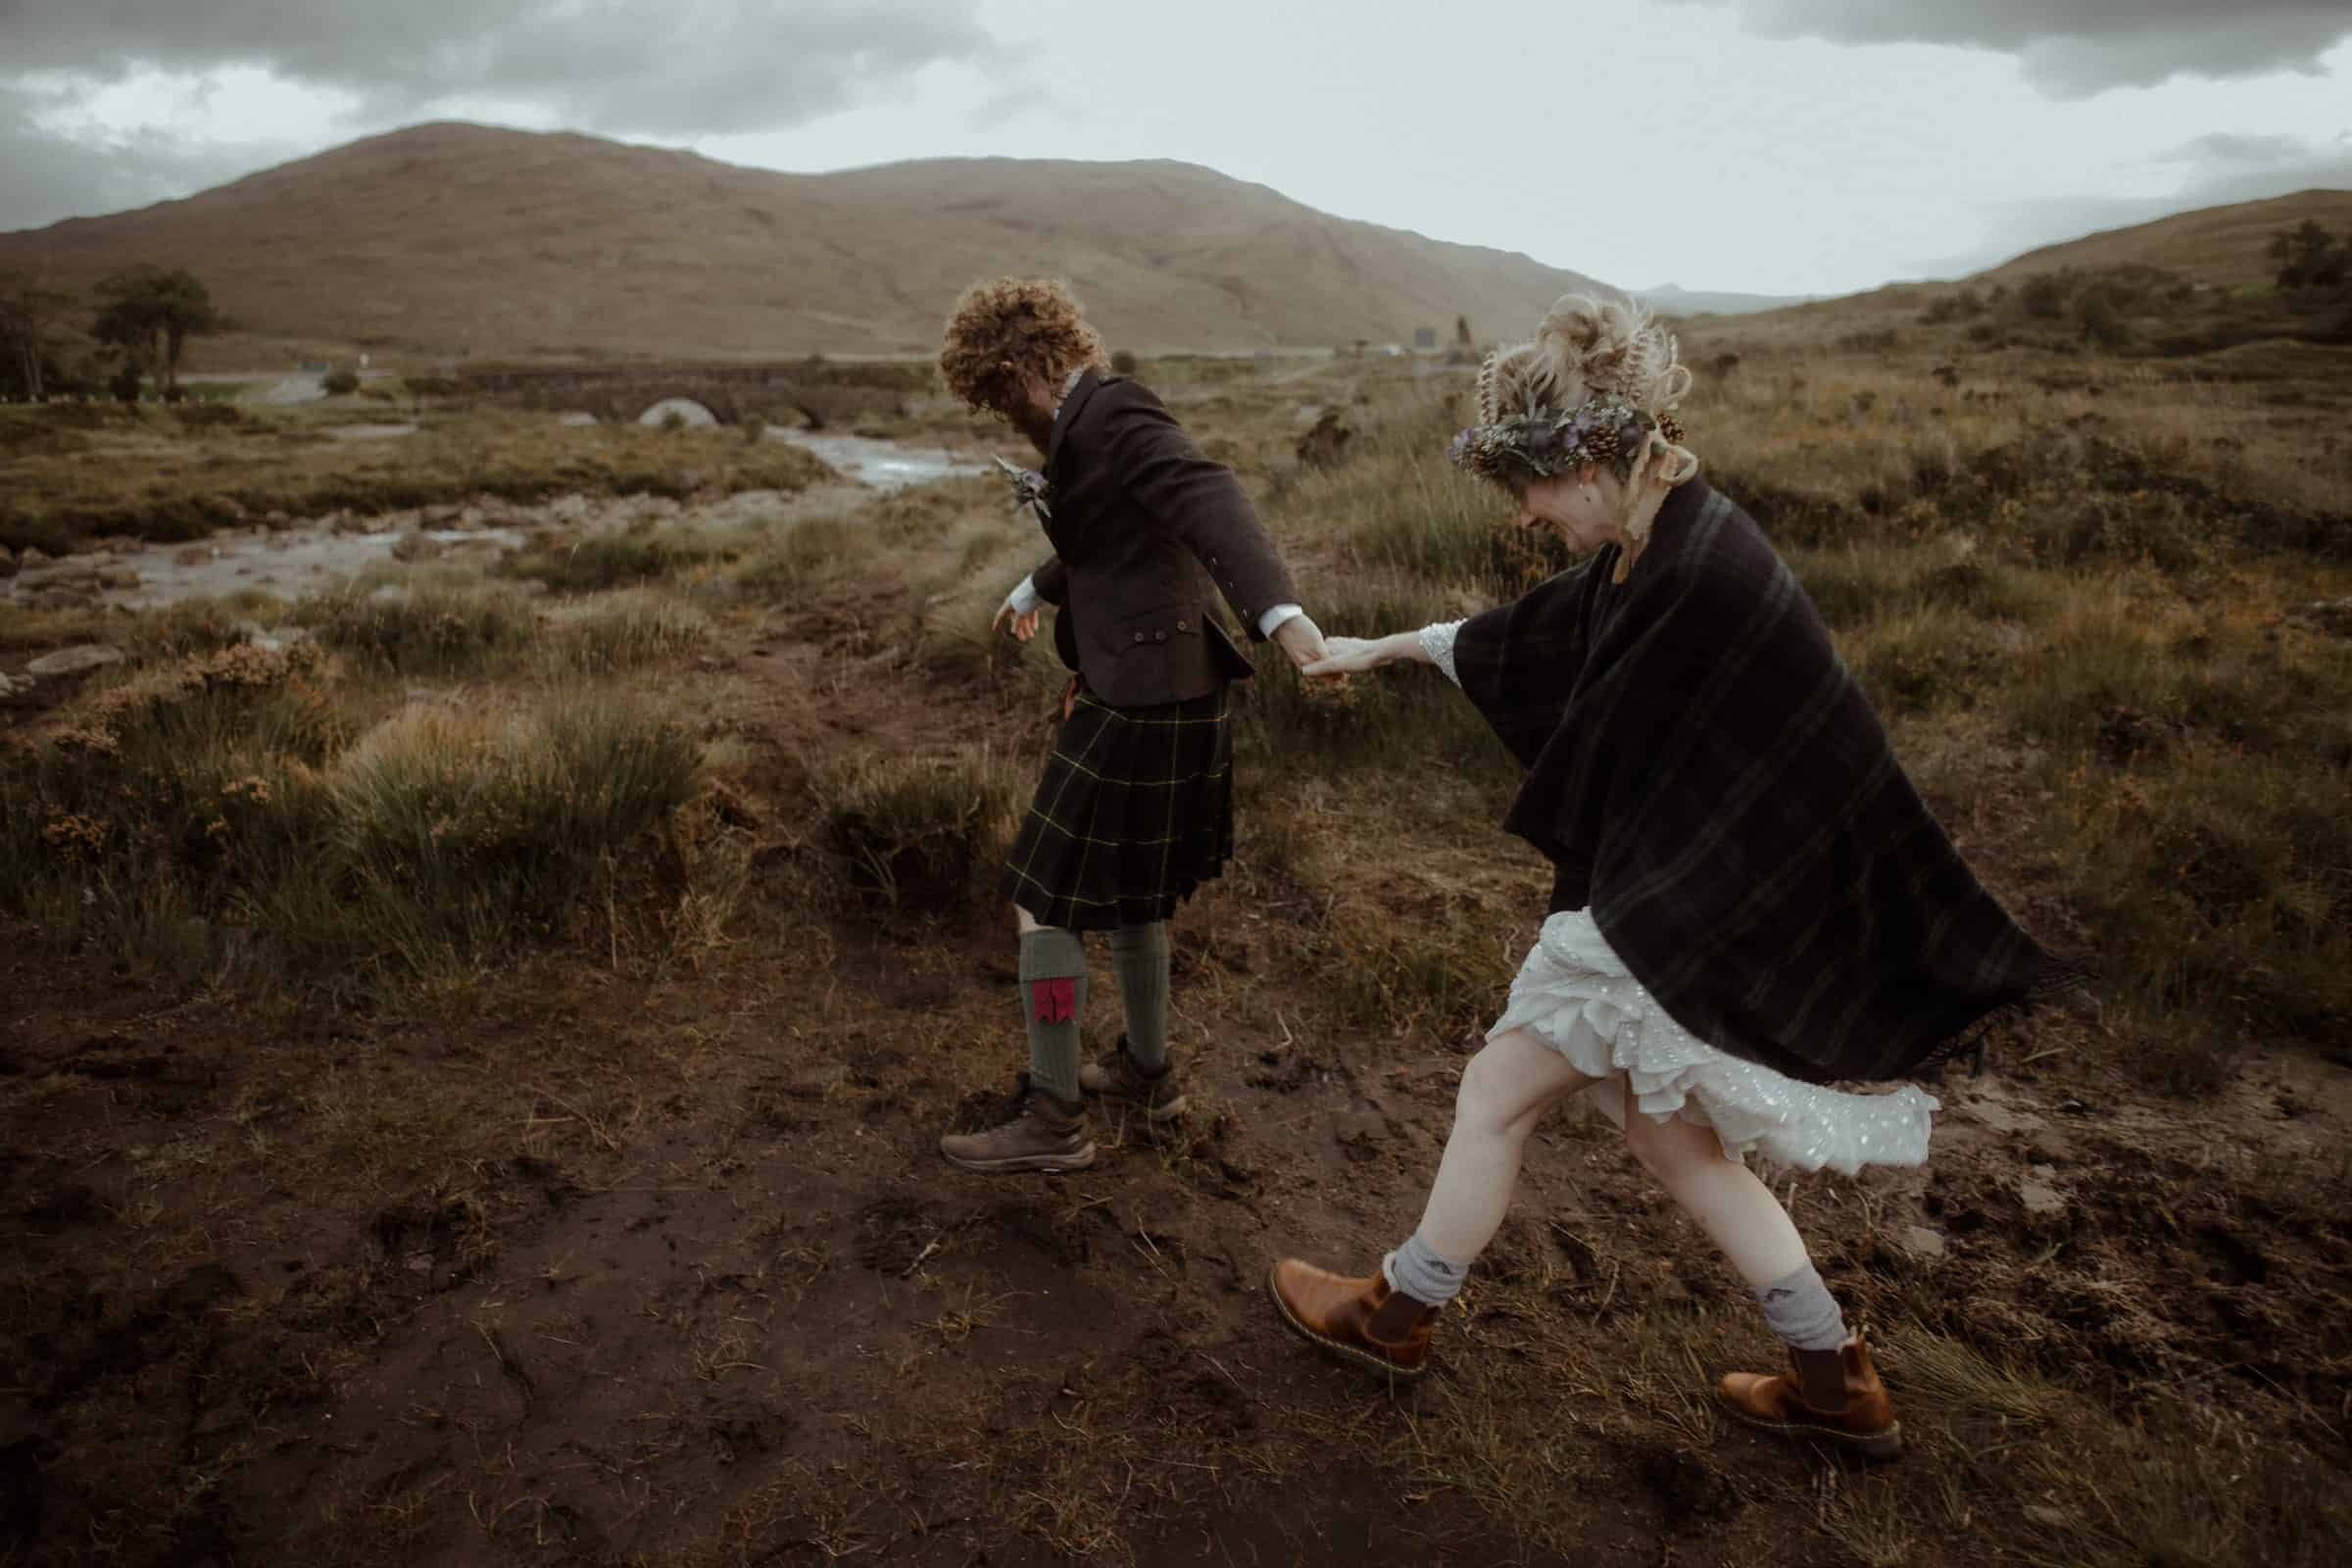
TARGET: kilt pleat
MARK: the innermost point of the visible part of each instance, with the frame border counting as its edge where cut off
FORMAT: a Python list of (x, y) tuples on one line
[(1135, 810)]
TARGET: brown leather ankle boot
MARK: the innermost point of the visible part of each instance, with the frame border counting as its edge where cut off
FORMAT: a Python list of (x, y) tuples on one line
[(1360, 1320), (1833, 1396)]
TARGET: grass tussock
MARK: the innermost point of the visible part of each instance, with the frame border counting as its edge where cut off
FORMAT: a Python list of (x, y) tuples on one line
[(1437, 974), (252, 810), (920, 834), (425, 632), (625, 631), (594, 562), (467, 830)]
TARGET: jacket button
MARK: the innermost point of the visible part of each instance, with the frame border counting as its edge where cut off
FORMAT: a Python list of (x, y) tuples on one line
[(1139, 636), (1160, 636), (1180, 625)]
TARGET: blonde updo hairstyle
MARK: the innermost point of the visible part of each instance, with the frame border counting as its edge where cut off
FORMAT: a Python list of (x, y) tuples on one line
[(1584, 349)]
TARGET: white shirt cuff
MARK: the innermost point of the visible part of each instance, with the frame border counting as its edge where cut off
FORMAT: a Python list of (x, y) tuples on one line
[(1024, 599), (1272, 618)]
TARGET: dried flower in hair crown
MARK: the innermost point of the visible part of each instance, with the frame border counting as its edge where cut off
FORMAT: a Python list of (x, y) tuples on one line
[(1543, 441)]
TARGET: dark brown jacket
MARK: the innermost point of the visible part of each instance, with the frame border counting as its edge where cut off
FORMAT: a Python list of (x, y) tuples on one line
[(1142, 526)]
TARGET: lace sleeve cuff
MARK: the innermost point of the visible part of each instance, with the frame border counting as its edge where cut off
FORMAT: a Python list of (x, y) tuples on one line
[(1437, 641)]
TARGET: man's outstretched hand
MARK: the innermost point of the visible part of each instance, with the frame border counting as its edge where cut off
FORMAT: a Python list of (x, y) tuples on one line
[(1023, 625), (1300, 639)]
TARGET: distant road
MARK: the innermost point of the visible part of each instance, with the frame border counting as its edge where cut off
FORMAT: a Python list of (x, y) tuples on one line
[(293, 389), (270, 387)]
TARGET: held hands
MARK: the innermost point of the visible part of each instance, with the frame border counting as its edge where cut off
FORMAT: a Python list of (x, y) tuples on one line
[(1349, 655), (1300, 639), (1023, 625)]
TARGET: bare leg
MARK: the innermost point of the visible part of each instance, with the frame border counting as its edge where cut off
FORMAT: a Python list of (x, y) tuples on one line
[(1726, 1198), (1504, 1092), (1385, 1321)]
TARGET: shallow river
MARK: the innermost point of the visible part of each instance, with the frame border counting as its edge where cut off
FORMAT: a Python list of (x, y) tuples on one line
[(289, 562)]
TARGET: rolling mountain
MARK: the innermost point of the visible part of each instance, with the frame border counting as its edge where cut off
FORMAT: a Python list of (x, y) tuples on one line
[(448, 239), (1672, 299), (2221, 245)]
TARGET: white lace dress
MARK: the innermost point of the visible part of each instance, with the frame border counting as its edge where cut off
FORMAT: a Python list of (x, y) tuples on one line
[(1576, 995)]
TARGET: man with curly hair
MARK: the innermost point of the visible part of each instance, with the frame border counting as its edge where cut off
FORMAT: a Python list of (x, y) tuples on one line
[(1135, 810)]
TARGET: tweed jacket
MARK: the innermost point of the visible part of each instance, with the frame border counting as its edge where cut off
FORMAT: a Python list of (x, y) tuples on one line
[(1146, 532)]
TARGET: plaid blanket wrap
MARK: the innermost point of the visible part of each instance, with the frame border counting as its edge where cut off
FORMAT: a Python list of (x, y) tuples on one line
[(1706, 777)]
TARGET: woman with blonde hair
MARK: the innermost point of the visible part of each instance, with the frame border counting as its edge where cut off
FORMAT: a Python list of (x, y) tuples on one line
[(1750, 901)]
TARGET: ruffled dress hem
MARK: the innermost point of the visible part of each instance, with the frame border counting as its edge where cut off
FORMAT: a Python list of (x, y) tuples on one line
[(1575, 994)]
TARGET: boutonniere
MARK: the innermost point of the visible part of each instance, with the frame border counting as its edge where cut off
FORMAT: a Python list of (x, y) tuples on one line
[(1029, 489)]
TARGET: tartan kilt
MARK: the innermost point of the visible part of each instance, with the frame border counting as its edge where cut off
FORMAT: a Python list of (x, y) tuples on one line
[(1134, 811)]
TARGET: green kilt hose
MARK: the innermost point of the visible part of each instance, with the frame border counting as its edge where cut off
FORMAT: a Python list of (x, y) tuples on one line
[(1134, 811)]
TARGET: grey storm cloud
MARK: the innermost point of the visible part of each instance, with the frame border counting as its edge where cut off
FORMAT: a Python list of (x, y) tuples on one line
[(2074, 48), (684, 68), (44, 175), (2225, 167)]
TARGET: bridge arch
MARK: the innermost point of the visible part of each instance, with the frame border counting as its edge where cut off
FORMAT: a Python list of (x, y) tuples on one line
[(681, 408)]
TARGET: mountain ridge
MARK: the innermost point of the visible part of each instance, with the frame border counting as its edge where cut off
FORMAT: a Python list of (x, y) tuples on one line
[(456, 239)]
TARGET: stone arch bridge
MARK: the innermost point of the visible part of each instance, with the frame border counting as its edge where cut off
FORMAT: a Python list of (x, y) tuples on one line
[(814, 393)]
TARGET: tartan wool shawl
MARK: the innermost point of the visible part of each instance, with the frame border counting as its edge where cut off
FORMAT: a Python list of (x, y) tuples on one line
[(1708, 779)]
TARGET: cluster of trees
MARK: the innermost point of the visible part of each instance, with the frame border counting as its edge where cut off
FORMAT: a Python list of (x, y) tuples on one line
[(144, 320), (2070, 300), (2308, 257)]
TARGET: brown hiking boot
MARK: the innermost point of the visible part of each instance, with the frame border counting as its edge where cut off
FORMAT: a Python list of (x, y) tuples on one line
[(1360, 1320), (1835, 1396), (1040, 1132), (1114, 1076)]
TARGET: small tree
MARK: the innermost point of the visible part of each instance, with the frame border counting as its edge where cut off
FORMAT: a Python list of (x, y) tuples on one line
[(2309, 257), (27, 310), (150, 313), (2044, 295), (2103, 324)]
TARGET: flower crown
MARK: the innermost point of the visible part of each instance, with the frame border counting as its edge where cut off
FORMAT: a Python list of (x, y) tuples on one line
[(1542, 441)]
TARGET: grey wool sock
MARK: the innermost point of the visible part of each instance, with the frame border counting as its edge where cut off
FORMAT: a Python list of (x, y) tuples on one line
[(1052, 998), (1139, 957), (1800, 1309), (1420, 1273)]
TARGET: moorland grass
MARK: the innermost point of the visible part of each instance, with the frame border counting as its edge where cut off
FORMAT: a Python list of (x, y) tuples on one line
[(2173, 756)]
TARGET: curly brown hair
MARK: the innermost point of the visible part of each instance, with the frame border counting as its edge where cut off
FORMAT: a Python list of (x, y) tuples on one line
[(1000, 331)]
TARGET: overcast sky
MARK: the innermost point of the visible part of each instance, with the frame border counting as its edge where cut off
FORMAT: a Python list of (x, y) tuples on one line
[(1779, 146)]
